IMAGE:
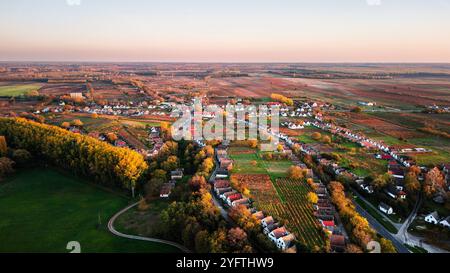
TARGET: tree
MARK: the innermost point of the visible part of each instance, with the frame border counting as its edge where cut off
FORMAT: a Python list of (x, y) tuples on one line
[(3, 146), (77, 123), (153, 187), (111, 137), (326, 139), (94, 116), (316, 136), (313, 198), (21, 156), (357, 109), (6, 166), (381, 181), (434, 181), (296, 172), (172, 163), (387, 246), (411, 183), (202, 242), (65, 125)]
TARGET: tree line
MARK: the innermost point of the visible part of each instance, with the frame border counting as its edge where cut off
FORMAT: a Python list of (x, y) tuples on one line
[(82, 155)]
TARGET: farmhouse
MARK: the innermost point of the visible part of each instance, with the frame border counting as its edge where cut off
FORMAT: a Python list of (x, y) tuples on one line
[(385, 208), (221, 191), (328, 225), (224, 196), (432, 218)]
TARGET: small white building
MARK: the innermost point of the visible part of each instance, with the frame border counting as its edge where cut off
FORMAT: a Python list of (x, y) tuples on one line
[(432, 218), (386, 209), (445, 222)]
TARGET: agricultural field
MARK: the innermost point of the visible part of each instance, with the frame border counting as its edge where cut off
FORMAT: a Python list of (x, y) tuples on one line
[(18, 90), (47, 209), (250, 161)]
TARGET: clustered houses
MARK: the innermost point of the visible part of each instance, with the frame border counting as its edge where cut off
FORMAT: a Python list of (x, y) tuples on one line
[(155, 140), (232, 198), (433, 218)]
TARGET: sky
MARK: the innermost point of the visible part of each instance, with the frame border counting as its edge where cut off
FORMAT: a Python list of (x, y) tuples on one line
[(225, 30)]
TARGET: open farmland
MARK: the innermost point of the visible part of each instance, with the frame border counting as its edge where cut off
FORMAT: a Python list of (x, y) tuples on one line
[(18, 90)]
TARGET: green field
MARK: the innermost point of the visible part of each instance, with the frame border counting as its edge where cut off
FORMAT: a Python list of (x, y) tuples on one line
[(242, 163), (17, 90), (43, 210)]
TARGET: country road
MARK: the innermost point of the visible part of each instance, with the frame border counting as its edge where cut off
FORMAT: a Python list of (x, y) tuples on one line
[(134, 237)]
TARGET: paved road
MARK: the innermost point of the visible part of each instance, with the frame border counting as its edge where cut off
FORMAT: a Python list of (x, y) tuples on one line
[(216, 201), (133, 237), (381, 230)]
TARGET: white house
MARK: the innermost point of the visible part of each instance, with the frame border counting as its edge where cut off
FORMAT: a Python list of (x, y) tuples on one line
[(267, 221), (432, 218), (285, 242), (278, 233), (386, 209), (445, 222)]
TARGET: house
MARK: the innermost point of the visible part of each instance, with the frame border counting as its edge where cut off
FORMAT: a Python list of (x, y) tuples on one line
[(233, 198), (221, 191), (267, 221), (328, 225), (337, 243), (166, 190), (120, 143), (278, 233), (243, 201), (224, 196), (432, 218), (385, 208), (445, 222), (222, 173), (226, 163), (367, 188), (286, 242), (219, 184), (395, 193), (258, 215), (177, 174), (271, 228)]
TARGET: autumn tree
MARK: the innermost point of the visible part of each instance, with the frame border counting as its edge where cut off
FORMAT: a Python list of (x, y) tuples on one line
[(111, 137), (382, 181), (65, 125), (6, 166), (326, 139), (434, 181), (21, 156), (296, 172), (387, 246), (77, 123), (3, 146), (316, 136), (312, 198), (412, 184), (172, 163)]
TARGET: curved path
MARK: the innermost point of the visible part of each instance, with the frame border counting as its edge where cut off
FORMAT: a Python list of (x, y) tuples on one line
[(133, 237)]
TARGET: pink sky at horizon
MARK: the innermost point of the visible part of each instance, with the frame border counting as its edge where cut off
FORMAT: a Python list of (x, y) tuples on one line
[(201, 31)]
